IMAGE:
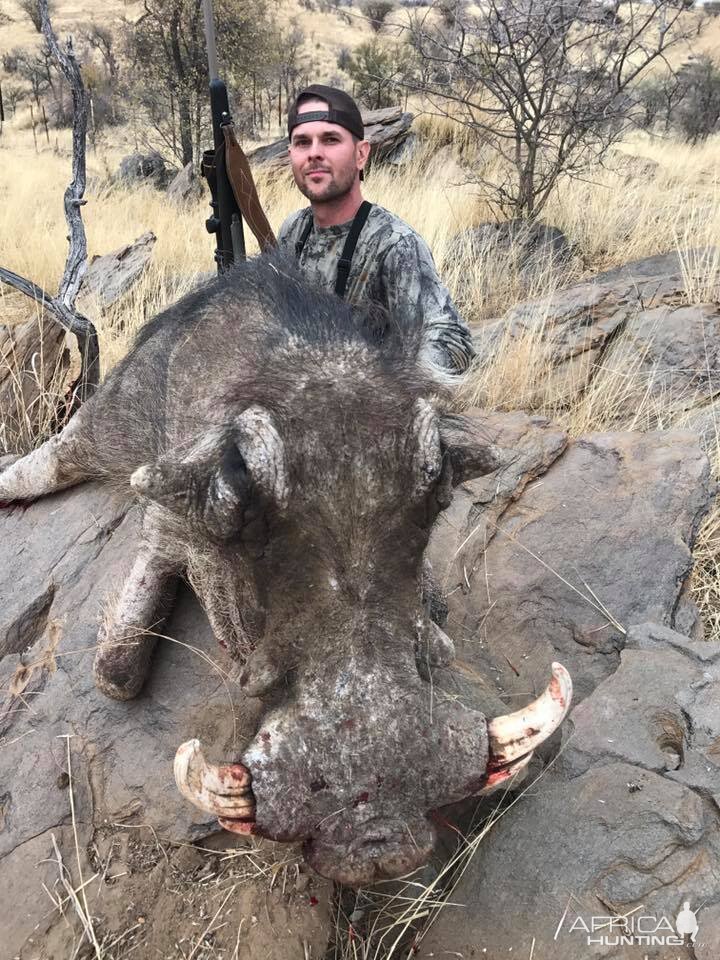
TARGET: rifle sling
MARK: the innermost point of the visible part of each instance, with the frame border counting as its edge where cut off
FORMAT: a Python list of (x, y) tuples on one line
[(243, 186), (345, 262)]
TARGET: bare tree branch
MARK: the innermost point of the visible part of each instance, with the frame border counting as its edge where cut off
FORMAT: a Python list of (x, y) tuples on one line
[(62, 306), (551, 84)]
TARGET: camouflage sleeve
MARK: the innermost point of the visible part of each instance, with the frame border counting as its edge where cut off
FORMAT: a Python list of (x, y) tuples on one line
[(286, 237), (411, 283)]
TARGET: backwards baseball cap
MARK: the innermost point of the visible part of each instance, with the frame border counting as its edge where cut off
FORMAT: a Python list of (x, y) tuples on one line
[(341, 109)]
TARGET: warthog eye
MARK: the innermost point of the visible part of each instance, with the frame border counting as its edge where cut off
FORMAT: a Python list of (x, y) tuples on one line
[(430, 470), (233, 461)]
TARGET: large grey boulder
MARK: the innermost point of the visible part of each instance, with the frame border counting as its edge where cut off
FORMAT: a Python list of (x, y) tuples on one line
[(629, 331), (560, 568), (61, 559), (625, 823), (624, 820)]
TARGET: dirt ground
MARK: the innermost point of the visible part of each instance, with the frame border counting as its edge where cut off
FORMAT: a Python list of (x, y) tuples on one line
[(154, 900)]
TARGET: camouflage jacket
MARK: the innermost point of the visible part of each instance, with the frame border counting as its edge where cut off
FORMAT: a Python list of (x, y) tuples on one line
[(392, 265)]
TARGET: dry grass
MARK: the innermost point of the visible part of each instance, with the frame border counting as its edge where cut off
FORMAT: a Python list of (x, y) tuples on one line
[(67, 16)]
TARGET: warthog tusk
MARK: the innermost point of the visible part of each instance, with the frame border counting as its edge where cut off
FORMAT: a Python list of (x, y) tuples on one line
[(516, 734), (497, 777), (223, 790)]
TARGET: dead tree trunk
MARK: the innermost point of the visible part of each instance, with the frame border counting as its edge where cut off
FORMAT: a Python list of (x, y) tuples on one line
[(62, 306)]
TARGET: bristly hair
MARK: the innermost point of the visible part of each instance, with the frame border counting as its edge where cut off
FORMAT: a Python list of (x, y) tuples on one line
[(295, 310), (270, 335), (262, 314)]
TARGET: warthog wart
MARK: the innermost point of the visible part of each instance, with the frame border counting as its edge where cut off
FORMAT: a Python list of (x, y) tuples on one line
[(291, 455)]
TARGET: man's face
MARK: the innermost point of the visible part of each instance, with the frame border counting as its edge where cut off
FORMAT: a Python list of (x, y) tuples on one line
[(325, 157)]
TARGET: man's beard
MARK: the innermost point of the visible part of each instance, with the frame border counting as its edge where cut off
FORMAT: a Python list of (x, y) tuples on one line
[(335, 188)]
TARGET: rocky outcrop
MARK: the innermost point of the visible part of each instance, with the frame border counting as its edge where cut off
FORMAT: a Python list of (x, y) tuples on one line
[(561, 567), (638, 324), (623, 822), (61, 559), (624, 825)]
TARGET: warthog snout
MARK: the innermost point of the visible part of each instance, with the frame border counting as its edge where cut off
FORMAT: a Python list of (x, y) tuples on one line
[(356, 776)]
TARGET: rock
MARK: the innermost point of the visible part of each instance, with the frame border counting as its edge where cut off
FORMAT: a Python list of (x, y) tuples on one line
[(560, 568), (668, 266), (405, 152), (584, 542), (707, 945), (144, 168), (185, 186), (674, 353), (624, 822), (527, 446), (483, 258), (533, 246), (111, 275), (704, 420), (635, 169), (629, 324), (386, 130), (58, 558), (672, 728), (650, 731), (613, 839)]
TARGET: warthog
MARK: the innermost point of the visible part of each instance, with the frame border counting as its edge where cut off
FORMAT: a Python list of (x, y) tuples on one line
[(291, 463)]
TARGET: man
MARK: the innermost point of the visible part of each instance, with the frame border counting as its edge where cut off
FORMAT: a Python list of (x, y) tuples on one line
[(360, 250)]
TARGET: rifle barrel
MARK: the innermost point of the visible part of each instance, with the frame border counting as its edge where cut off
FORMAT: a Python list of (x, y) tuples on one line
[(210, 40)]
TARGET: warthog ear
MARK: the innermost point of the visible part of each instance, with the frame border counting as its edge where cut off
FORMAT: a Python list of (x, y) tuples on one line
[(212, 483), (470, 452)]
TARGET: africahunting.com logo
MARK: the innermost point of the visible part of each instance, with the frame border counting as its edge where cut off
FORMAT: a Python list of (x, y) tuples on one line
[(635, 929)]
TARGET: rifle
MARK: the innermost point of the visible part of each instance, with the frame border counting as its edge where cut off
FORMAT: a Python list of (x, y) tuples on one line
[(227, 171)]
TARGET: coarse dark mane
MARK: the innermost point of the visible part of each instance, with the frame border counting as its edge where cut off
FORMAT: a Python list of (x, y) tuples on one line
[(292, 309), (269, 338)]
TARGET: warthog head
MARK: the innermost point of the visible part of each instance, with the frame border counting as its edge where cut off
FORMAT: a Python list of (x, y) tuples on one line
[(321, 485)]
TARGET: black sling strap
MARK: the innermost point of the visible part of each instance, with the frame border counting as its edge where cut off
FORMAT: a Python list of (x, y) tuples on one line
[(345, 262), (307, 230)]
